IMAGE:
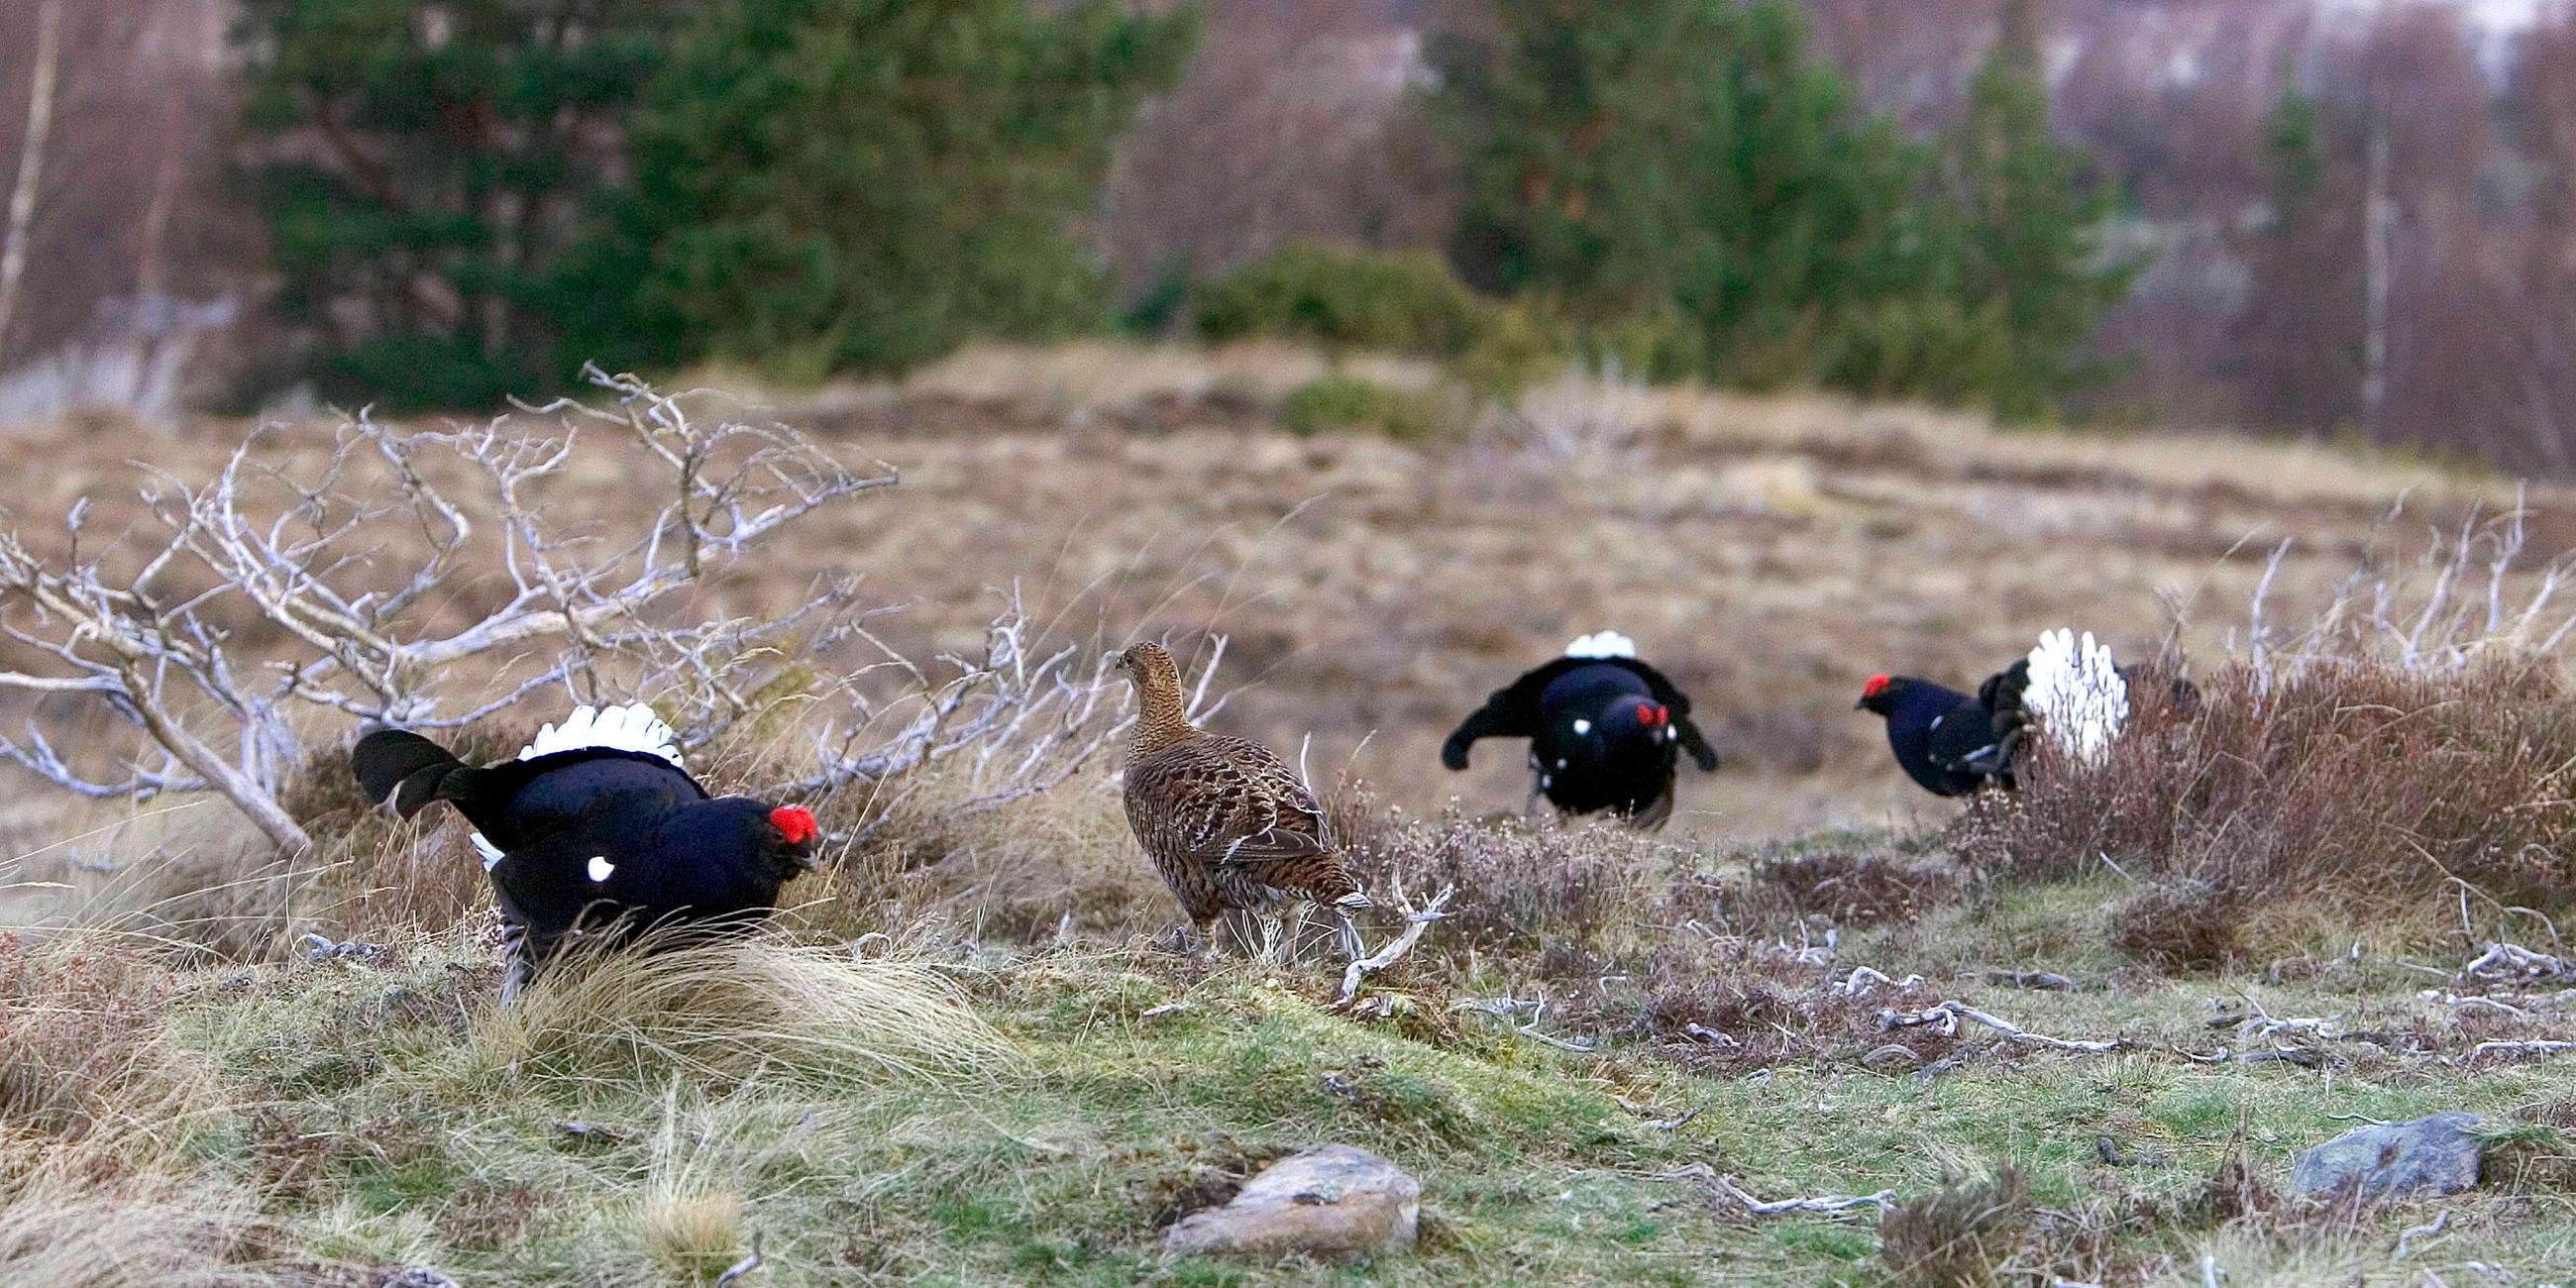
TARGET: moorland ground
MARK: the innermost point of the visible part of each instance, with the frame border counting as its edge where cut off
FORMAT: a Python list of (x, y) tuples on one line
[(1014, 1090)]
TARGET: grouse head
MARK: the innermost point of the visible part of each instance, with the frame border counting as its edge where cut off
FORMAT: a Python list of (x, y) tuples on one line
[(1151, 667), (797, 835), (1162, 716), (1882, 693), (778, 842), (1632, 727)]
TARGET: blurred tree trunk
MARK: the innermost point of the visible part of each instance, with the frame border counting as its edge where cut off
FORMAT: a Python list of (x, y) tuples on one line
[(2377, 221), (31, 160)]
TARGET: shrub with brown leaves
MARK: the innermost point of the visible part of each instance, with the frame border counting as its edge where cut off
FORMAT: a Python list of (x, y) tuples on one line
[(1962, 1235), (1571, 896), (1858, 885), (2276, 809)]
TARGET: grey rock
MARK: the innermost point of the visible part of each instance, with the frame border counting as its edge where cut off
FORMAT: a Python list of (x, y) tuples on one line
[(1330, 1201), (2436, 1155), (415, 1277)]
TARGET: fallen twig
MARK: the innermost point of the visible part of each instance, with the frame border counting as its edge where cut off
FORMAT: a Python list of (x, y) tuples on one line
[(2413, 1232), (1653, 1116), (1948, 1014), (1862, 977), (1726, 1185), (1507, 1006), (2533, 1047), (2517, 964), (742, 1267), (2044, 981), (1416, 923)]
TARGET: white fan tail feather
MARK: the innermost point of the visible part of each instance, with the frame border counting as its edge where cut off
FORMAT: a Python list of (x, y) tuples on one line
[(632, 727), (1602, 644), (2076, 694)]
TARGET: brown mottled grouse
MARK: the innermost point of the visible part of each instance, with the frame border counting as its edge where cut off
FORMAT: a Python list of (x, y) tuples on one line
[(1225, 821)]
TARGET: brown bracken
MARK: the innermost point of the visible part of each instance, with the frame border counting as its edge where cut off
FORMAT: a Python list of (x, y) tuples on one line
[(1225, 821)]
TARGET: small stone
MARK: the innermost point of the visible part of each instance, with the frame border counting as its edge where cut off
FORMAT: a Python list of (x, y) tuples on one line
[(2436, 1155), (1329, 1201), (415, 1277)]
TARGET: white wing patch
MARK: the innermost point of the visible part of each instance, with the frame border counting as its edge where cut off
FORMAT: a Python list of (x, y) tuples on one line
[(1602, 644), (2077, 695), (600, 869), (1582, 726), (491, 852), (627, 728)]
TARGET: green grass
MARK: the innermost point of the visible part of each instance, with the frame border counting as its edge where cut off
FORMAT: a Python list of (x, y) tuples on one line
[(377, 1144), (1020, 1120)]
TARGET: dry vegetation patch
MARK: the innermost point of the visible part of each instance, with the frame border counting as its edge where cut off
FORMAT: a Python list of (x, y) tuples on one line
[(2276, 812)]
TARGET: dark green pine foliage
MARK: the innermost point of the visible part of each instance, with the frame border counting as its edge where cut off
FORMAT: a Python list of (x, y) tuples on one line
[(2302, 321), (2033, 267), (424, 169), (1682, 162), (829, 185)]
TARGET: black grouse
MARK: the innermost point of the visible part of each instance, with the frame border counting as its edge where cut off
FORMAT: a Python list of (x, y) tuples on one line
[(596, 828), (1953, 743), (1604, 730)]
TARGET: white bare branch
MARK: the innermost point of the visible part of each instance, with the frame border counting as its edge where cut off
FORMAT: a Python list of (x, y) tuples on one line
[(343, 557), (1946, 1017), (1416, 921)]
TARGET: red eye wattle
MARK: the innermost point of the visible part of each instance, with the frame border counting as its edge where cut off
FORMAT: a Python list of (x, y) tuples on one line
[(794, 822)]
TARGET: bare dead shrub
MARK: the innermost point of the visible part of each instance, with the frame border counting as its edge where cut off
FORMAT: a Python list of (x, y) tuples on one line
[(419, 577), (2277, 808), (2467, 596)]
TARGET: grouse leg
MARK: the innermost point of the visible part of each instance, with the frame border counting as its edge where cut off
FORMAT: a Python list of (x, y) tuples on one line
[(1275, 938), (518, 969), (1351, 945)]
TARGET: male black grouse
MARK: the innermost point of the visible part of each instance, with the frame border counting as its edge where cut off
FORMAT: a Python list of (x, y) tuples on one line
[(1604, 729), (597, 828), (1953, 743)]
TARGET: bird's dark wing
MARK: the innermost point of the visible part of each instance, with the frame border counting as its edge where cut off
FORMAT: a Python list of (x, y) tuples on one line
[(1965, 740), (1512, 711), (1492, 720), (546, 884), (519, 801)]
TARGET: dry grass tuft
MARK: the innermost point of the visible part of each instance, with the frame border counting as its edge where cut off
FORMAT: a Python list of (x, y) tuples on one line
[(81, 1045), (692, 1237), (726, 1014), (2266, 817), (65, 1232)]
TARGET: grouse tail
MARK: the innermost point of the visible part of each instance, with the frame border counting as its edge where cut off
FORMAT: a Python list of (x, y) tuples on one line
[(410, 770)]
